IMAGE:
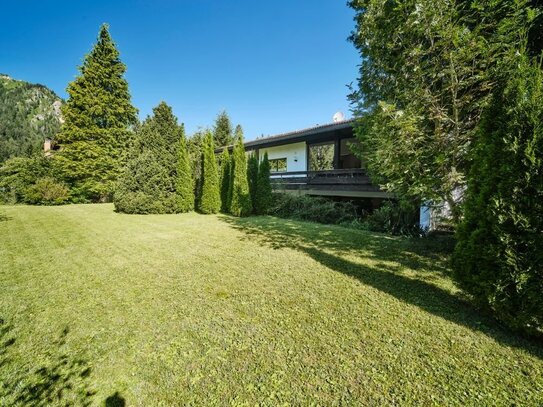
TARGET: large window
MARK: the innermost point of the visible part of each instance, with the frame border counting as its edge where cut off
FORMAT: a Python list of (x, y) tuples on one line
[(321, 157), (278, 164)]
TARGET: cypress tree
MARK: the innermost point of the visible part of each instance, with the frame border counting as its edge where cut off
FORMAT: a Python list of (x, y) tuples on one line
[(210, 198), (185, 187), (222, 131), (241, 204), (252, 176), (226, 177), (155, 153), (499, 253), (98, 116), (263, 196)]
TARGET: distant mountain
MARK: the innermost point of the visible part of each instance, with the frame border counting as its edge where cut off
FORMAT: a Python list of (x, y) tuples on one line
[(29, 113)]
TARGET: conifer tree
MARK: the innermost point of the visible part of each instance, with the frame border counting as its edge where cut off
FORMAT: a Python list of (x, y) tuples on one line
[(252, 176), (241, 204), (98, 116), (222, 131), (185, 184), (499, 253), (155, 152), (226, 177), (263, 195), (210, 198)]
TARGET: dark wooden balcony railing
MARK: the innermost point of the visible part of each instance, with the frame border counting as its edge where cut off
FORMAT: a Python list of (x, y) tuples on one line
[(327, 177)]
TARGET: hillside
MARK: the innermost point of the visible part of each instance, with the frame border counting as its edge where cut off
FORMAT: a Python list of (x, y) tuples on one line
[(29, 113)]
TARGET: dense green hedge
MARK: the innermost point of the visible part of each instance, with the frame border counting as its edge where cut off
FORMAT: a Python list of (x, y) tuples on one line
[(499, 255)]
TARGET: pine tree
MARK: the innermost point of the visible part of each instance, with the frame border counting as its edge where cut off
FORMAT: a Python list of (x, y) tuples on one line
[(156, 151), (241, 204), (185, 185), (263, 195), (210, 198), (98, 116), (226, 177), (222, 131), (252, 176)]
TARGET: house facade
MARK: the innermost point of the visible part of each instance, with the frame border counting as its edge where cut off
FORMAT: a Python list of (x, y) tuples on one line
[(317, 161)]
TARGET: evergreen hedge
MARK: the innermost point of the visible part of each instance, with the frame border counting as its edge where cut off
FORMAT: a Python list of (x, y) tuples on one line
[(499, 255), (210, 198), (241, 204), (263, 193)]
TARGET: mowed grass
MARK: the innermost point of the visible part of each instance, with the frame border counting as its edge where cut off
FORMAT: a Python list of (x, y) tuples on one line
[(100, 308)]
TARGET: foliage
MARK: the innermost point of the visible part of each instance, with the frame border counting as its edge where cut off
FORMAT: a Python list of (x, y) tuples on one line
[(395, 218), (225, 179), (263, 196), (29, 113), (311, 208), (95, 136), (210, 198), (241, 204), (425, 76), (150, 180), (47, 191), (222, 131), (194, 146), (18, 174), (185, 185), (252, 176), (499, 255)]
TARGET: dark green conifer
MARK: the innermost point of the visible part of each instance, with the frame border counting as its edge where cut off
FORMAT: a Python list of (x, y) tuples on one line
[(222, 131), (241, 204), (185, 184), (252, 176), (98, 116), (226, 177), (156, 151), (263, 195), (210, 199)]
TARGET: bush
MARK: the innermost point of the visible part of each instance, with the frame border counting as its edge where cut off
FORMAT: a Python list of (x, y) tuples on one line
[(47, 191), (394, 218), (499, 255), (20, 173), (310, 208), (263, 193)]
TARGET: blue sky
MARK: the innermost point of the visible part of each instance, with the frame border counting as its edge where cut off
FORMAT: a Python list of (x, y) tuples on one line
[(274, 66)]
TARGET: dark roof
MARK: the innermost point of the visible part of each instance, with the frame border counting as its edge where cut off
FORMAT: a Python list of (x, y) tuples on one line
[(299, 135)]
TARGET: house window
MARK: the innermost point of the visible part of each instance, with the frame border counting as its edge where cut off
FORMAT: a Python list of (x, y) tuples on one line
[(321, 157), (278, 165)]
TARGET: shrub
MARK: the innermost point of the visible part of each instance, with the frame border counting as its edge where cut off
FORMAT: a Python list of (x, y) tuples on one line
[(395, 218), (47, 191), (310, 208), (20, 173), (499, 255), (210, 198), (263, 193), (225, 178), (252, 177), (241, 204)]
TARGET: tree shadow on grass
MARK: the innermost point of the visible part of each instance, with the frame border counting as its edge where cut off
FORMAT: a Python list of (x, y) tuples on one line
[(115, 400), (330, 246), (4, 217), (57, 379)]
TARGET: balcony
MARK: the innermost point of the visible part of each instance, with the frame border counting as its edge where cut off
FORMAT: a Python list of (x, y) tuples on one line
[(353, 183)]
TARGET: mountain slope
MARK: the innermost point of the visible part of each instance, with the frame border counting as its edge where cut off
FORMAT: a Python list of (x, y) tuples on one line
[(29, 113)]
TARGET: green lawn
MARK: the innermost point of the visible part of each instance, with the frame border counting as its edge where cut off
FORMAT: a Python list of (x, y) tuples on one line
[(99, 308)]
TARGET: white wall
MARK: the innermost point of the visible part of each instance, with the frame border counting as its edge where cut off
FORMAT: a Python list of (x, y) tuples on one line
[(295, 154)]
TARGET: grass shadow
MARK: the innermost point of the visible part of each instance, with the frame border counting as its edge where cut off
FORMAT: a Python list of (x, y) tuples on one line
[(115, 400), (57, 380), (333, 247)]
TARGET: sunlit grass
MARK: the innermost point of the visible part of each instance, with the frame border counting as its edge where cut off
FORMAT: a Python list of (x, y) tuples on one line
[(213, 310)]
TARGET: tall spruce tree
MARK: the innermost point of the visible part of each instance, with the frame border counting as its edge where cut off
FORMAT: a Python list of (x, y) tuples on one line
[(155, 153), (226, 178), (263, 195), (222, 131), (252, 176), (210, 198), (241, 204), (185, 183), (98, 116)]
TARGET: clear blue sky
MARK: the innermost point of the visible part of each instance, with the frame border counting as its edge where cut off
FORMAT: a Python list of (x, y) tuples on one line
[(274, 66)]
